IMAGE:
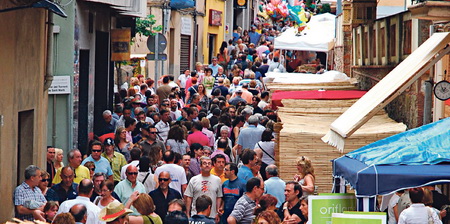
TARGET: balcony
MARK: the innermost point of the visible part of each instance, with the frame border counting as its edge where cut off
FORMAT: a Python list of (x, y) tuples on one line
[(431, 10)]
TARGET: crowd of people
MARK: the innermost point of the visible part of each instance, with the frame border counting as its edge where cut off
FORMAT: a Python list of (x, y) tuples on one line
[(199, 148), (418, 205)]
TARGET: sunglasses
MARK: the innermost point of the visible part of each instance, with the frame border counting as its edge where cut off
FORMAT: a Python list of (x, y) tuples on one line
[(163, 179), (133, 173), (46, 180), (96, 150), (92, 169), (153, 132)]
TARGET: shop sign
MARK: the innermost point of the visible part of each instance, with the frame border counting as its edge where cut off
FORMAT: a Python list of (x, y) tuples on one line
[(120, 44), (215, 18)]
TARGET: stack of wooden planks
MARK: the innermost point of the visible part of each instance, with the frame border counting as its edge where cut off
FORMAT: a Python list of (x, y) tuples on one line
[(305, 122)]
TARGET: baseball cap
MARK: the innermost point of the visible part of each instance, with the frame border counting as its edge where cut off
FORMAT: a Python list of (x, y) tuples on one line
[(108, 141)]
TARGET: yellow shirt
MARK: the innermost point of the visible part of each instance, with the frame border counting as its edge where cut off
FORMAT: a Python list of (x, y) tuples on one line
[(222, 177), (117, 162), (81, 173)]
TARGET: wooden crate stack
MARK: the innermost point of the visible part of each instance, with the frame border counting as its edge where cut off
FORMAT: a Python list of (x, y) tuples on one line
[(305, 122)]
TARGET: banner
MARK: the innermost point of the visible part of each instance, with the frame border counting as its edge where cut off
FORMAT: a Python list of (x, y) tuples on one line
[(321, 207), (359, 218), (120, 44)]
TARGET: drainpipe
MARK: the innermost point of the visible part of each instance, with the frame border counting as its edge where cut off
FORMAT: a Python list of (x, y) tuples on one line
[(49, 68)]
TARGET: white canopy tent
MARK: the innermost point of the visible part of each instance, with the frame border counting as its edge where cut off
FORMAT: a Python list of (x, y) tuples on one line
[(317, 36)]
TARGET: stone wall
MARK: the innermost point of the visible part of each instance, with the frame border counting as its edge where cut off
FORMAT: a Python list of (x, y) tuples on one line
[(406, 108)]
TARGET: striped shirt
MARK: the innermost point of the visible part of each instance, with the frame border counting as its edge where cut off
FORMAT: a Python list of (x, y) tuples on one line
[(243, 210)]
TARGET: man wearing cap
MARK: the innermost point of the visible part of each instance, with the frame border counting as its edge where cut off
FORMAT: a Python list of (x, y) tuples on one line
[(149, 132), (115, 213), (85, 190), (116, 159), (238, 98), (164, 194), (102, 165), (126, 187), (214, 66)]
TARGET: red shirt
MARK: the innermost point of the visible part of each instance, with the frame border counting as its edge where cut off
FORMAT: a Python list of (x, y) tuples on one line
[(198, 137)]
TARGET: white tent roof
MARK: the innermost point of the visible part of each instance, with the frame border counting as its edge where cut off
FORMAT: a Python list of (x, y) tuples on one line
[(317, 36)]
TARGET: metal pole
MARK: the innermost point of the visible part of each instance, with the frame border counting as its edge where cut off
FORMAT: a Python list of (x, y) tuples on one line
[(156, 60)]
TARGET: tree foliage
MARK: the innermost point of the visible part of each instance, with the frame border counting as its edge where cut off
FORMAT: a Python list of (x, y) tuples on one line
[(325, 8), (146, 26)]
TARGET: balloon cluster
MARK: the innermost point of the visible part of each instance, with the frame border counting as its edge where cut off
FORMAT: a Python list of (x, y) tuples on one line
[(279, 10)]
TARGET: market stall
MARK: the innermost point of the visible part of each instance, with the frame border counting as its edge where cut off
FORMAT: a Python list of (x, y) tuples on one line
[(414, 158)]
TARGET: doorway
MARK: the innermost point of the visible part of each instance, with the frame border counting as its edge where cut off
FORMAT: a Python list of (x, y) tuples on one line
[(211, 46), (25, 137), (83, 128)]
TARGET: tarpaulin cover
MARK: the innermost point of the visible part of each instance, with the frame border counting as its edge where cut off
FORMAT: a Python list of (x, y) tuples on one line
[(181, 4), (277, 96), (428, 144), (399, 162)]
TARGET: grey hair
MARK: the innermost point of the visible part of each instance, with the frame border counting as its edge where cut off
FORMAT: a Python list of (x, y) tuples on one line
[(272, 170), (107, 113), (253, 119), (31, 171), (224, 128), (195, 96), (71, 153), (138, 110)]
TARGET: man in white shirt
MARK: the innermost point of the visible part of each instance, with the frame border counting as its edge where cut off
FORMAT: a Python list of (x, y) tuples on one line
[(177, 173), (85, 189), (418, 213)]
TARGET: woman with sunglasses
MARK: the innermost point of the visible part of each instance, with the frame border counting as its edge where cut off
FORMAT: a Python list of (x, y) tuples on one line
[(43, 185), (91, 166)]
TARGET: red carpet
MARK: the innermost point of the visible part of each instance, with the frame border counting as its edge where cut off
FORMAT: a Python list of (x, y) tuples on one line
[(277, 96)]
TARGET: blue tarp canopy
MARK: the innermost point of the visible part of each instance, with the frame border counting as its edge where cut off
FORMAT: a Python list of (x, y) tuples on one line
[(182, 4), (417, 157)]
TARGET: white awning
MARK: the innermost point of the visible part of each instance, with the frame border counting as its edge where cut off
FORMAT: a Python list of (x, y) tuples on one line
[(391, 86), (135, 8), (317, 36)]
